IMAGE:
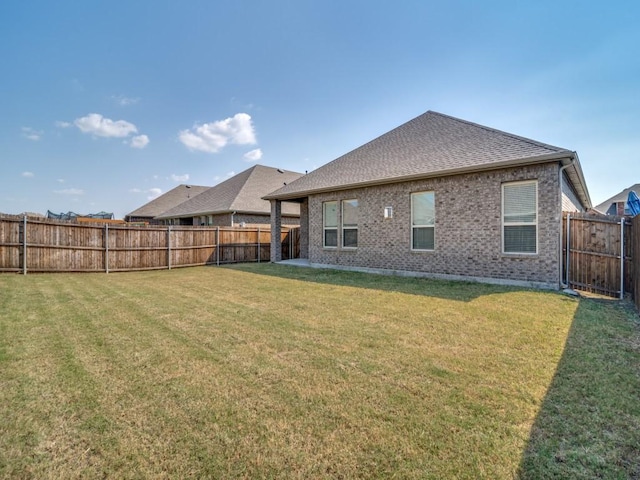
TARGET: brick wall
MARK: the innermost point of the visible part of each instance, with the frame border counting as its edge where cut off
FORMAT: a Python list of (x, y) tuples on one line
[(304, 228), (468, 229)]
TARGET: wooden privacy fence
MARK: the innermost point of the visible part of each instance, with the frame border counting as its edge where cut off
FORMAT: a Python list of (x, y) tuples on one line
[(599, 254), (29, 245)]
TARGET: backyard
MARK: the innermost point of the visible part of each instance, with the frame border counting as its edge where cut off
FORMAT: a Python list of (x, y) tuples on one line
[(268, 371)]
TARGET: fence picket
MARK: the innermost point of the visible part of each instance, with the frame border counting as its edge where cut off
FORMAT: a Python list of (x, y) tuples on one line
[(598, 254)]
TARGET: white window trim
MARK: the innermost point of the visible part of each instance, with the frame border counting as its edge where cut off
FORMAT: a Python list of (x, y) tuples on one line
[(325, 228), (343, 228), (412, 226), (518, 224)]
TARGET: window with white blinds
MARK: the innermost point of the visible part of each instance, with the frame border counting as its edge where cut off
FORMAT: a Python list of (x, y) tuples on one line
[(520, 217)]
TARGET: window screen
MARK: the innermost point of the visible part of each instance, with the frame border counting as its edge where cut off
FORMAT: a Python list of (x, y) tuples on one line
[(520, 217), (423, 221)]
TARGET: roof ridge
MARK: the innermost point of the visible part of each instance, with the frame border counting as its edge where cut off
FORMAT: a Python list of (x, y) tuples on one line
[(157, 202), (246, 183), (189, 185), (501, 132), (249, 173)]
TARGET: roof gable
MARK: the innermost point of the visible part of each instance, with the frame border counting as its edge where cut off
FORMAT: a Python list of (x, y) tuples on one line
[(620, 197), (432, 144), (168, 200), (241, 193)]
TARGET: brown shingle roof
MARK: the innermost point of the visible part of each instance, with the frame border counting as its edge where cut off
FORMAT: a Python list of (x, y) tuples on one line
[(168, 200), (432, 144), (241, 193)]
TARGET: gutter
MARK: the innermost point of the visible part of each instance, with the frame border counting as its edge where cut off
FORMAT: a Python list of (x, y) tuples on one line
[(556, 156), (579, 182)]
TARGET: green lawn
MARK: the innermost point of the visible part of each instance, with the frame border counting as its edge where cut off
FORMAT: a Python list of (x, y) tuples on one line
[(267, 371)]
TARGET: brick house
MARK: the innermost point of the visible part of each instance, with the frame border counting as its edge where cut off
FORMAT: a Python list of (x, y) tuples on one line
[(617, 205), (147, 212), (440, 197), (236, 202)]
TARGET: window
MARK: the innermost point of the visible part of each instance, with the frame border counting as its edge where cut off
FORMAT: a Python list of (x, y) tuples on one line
[(330, 224), (423, 220), (350, 223), (520, 217)]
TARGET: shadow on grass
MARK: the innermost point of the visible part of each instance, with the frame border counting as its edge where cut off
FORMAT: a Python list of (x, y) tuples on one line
[(450, 290), (589, 422)]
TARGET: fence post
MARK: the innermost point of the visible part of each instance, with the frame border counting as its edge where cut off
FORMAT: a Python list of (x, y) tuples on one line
[(258, 244), (169, 247), (106, 247), (621, 258), (218, 246), (24, 245)]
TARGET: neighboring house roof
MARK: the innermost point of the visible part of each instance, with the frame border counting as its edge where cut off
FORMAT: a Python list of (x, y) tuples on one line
[(168, 200), (620, 197), (241, 193), (431, 145)]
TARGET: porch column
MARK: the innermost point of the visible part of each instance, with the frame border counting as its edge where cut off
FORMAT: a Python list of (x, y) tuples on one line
[(304, 228), (276, 229)]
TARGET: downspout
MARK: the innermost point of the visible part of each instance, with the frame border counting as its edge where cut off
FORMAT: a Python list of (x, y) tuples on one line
[(232, 214), (564, 282)]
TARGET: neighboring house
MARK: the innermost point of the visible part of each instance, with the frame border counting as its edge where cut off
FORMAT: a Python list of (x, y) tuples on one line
[(617, 205), (441, 197), (236, 201), (164, 202)]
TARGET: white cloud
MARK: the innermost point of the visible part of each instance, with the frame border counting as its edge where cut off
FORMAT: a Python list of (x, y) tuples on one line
[(179, 178), (253, 155), (139, 141), (212, 137), (60, 180), (70, 191), (153, 193), (61, 124), (31, 134), (28, 174), (96, 124), (124, 101), (227, 175)]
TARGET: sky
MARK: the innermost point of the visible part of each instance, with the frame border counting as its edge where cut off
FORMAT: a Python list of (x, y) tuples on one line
[(106, 105)]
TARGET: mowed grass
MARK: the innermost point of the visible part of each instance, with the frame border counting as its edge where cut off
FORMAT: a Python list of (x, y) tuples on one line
[(267, 371)]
